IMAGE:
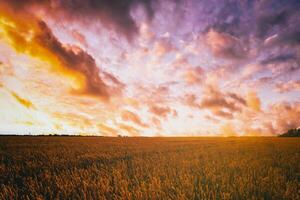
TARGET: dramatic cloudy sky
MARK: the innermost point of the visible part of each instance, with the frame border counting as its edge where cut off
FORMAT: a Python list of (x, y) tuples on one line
[(149, 67)]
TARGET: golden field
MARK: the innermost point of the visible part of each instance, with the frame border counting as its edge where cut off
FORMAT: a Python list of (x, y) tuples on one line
[(149, 168)]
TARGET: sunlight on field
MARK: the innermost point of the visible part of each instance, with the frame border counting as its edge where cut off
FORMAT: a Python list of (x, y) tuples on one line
[(149, 168)]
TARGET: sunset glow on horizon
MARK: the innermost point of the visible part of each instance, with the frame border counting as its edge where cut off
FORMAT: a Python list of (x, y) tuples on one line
[(150, 68)]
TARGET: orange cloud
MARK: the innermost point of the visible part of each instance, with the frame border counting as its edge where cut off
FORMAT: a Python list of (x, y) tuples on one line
[(132, 102), (129, 129), (22, 101), (130, 116), (193, 76), (73, 119), (228, 130), (253, 101), (28, 35), (106, 130)]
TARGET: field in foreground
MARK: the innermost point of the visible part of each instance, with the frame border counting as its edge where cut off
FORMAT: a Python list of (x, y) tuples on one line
[(149, 168)]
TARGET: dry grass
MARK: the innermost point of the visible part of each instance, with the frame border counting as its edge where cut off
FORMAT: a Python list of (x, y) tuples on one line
[(149, 168)]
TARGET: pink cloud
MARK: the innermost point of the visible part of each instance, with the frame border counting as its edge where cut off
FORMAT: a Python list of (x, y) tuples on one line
[(161, 111), (225, 46), (292, 85)]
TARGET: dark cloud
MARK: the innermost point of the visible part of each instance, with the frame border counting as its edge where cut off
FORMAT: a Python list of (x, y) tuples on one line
[(17, 4), (238, 98), (281, 62), (231, 17), (279, 59), (245, 19), (241, 19), (114, 14), (268, 20), (290, 37), (275, 16)]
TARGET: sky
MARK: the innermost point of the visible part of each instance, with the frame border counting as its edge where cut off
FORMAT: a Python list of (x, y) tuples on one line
[(150, 67)]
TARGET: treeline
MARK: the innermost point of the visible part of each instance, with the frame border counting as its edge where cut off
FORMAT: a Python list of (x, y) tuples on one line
[(291, 133)]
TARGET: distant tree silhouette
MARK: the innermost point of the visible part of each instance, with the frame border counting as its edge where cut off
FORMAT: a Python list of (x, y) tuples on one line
[(291, 133)]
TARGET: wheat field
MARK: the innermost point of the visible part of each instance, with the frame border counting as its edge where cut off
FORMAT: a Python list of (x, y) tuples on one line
[(149, 168)]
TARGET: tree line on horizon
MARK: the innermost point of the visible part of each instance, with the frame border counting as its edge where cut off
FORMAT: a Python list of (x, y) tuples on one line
[(291, 133)]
